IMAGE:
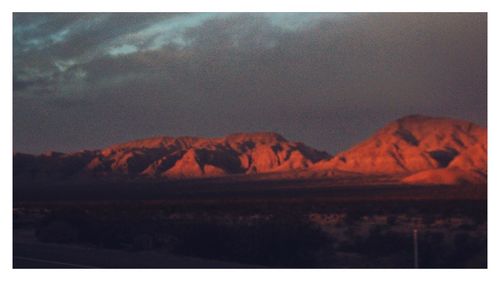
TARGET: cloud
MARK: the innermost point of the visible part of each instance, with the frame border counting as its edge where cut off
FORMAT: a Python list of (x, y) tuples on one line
[(89, 80)]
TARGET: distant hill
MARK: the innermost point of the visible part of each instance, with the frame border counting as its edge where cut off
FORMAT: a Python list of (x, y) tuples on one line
[(169, 157), (454, 150), (415, 149)]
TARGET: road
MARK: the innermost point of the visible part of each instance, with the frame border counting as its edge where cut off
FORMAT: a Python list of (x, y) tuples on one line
[(26, 262), (40, 255)]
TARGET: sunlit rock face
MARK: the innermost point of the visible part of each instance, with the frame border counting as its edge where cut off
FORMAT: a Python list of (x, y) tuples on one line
[(235, 154), (414, 149), (446, 176), (187, 157), (419, 143)]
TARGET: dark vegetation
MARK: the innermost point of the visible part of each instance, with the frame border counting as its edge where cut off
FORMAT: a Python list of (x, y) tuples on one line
[(272, 227)]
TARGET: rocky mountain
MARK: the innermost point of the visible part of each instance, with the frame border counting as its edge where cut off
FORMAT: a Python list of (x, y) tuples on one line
[(414, 149), (169, 157), (424, 149)]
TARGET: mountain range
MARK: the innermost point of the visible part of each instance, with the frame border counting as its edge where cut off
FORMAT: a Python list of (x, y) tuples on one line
[(414, 149)]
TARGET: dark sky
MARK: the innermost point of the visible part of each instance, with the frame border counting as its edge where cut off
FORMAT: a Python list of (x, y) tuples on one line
[(326, 79)]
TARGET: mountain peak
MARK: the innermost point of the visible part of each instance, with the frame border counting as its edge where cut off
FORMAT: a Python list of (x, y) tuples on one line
[(262, 137), (416, 119), (416, 143)]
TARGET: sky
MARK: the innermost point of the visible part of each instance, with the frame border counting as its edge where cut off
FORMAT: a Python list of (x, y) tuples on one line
[(86, 81)]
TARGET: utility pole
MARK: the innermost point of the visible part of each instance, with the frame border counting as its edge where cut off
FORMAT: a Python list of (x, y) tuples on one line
[(415, 247)]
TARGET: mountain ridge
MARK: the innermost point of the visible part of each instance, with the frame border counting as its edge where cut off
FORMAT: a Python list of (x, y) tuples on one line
[(419, 149), (183, 157)]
